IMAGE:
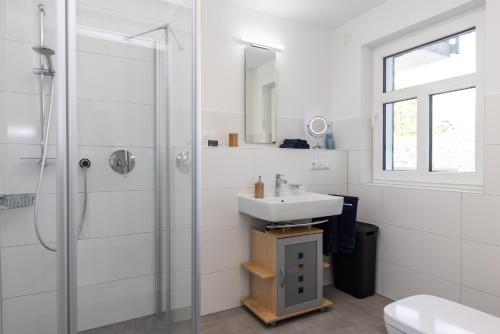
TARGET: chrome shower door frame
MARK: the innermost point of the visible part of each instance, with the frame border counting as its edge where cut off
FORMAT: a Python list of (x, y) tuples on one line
[(66, 170)]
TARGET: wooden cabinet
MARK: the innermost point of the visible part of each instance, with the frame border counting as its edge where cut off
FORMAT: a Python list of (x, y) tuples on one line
[(286, 274)]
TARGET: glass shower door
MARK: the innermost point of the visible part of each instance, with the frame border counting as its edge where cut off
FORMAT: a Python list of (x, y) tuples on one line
[(133, 124)]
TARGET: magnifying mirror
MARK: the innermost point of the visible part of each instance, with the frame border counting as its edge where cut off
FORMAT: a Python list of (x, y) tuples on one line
[(317, 127)]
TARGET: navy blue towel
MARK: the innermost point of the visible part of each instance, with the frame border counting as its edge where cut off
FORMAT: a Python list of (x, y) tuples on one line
[(339, 233), (295, 143)]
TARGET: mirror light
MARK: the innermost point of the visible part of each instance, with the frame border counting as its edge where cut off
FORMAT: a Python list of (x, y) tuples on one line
[(262, 44)]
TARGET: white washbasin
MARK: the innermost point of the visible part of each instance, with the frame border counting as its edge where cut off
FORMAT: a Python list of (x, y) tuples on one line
[(293, 207)]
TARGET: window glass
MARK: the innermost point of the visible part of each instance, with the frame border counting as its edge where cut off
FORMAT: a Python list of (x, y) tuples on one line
[(447, 58), (453, 131), (400, 139)]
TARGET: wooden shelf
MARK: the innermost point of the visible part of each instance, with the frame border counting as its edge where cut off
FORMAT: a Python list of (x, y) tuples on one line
[(258, 271), (270, 318)]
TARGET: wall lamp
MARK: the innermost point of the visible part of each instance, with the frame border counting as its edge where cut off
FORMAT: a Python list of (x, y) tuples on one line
[(262, 44)]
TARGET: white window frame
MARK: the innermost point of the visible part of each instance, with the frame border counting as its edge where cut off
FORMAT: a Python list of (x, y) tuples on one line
[(422, 176)]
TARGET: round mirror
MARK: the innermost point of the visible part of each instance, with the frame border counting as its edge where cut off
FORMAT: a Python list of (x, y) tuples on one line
[(317, 127)]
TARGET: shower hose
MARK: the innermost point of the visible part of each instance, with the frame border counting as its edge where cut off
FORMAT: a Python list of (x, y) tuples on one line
[(84, 164)]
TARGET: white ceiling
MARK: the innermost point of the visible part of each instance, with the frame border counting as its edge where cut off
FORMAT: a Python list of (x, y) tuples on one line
[(328, 13)]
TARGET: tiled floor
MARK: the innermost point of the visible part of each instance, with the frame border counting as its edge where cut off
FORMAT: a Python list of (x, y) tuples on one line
[(348, 316)]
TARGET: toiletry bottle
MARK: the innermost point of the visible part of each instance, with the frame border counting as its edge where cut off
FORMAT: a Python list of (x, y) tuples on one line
[(259, 188), (329, 144)]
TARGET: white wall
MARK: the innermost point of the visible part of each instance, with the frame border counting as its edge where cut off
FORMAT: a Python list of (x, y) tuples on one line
[(115, 111), (431, 241), (303, 81), (303, 91), (225, 232)]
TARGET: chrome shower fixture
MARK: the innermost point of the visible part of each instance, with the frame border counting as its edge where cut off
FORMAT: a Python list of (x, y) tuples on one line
[(84, 165), (46, 69), (47, 53), (165, 27)]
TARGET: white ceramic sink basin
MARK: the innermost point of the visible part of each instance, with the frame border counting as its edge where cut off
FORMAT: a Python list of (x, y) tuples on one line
[(302, 206)]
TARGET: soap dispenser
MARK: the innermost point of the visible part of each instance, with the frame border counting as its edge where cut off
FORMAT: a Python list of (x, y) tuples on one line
[(259, 188), (329, 143)]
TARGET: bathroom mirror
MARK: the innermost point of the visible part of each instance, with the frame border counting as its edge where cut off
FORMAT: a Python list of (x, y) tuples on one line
[(260, 95), (317, 127)]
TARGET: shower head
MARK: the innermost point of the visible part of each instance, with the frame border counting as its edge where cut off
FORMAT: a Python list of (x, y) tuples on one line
[(47, 53), (43, 50)]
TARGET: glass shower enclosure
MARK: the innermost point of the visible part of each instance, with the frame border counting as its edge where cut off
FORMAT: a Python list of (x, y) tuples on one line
[(99, 173)]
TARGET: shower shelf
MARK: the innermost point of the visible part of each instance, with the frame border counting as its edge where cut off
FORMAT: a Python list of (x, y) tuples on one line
[(15, 201)]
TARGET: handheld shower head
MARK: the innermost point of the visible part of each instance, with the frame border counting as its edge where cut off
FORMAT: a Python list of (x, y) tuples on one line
[(43, 50), (47, 53)]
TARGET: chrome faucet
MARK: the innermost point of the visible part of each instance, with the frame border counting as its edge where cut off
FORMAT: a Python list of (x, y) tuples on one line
[(279, 182)]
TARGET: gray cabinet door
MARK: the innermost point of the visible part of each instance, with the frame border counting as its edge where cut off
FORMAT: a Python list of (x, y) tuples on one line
[(300, 265)]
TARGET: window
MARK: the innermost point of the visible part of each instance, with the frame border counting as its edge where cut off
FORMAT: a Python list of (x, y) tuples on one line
[(427, 113), (443, 59), (453, 131), (400, 142)]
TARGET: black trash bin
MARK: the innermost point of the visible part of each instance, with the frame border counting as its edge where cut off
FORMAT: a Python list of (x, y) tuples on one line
[(355, 273)]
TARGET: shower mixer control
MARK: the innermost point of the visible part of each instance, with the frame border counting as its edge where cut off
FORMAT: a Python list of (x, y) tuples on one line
[(122, 161), (85, 163)]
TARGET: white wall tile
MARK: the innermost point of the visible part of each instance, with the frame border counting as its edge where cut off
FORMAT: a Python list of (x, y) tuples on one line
[(227, 168), (219, 210), (224, 250), (302, 90), (180, 249), (379, 283), (119, 16), (480, 269), (32, 269), (370, 202), (492, 119), (112, 302), (218, 124), (20, 21), (101, 42), (114, 78), (180, 211), (20, 176), (16, 63), (366, 134), (400, 282), (292, 128), (329, 189), (427, 210), (108, 259), (27, 270), (223, 290), (337, 174), (346, 134), (481, 301), (480, 217), (429, 253), (106, 123), (20, 114), (180, 285), (17, 225), (38, 314), (118, 213), (491, 167), (295, 165), (360, 167)]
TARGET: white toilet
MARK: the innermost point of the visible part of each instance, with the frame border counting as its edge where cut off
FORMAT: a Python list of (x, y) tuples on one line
[(425, 314)]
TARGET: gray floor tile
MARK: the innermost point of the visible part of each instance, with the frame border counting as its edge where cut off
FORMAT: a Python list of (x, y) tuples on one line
[(347, 316)]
